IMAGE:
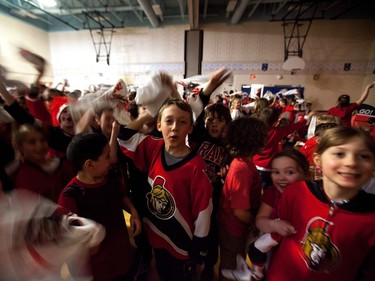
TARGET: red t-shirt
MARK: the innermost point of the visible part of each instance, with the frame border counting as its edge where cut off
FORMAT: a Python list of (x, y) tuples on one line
[(275, 135), (271, 197), (242, 190), (48, 184), (39, 110), (308, 149), (344, 113)]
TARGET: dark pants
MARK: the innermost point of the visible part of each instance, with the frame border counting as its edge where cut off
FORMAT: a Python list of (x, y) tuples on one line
[(173, 269), (213, 245)]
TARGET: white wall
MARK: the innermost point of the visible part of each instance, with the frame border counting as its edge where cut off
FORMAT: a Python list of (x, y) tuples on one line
[(134, 51), (243, 48), (328, 46), (15, 34)]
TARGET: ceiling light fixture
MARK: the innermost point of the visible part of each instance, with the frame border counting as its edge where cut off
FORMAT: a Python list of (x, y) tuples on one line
[(231, 5), (157, 9), (47, 3)]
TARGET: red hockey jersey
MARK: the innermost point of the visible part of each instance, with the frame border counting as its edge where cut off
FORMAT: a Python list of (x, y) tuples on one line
[(178, 203), (333, 242)]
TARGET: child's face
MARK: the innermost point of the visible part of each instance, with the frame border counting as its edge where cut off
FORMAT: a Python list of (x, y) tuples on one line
[(237, 103), (175, 124), (105, 122), (215, 126), (347, 166), (34, 147), (285, 171), (66, 120), (102, 165)]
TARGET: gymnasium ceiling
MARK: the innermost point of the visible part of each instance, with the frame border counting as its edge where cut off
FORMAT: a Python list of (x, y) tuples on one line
[(70, 15)]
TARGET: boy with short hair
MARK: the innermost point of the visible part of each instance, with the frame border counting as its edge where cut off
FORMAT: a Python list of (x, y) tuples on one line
[(96, 193), (178, 202), (208, 135)]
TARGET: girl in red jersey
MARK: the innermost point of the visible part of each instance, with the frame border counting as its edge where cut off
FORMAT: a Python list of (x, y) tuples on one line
[(287, 167), (333, 218), (277, 131), (34, 170)]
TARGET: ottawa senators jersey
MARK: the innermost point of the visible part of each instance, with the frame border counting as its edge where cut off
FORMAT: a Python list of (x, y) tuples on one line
[(177, 205), (333, 241)]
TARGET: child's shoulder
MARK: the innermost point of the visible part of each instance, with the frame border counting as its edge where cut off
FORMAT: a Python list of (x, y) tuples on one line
[(363, 203), (73, 189)]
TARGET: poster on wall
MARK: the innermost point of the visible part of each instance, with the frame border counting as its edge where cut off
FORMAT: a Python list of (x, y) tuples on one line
[(272, 89), (365, 118), (256, 91)]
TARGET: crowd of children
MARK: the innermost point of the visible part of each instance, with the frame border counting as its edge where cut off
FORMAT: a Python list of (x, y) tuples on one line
[(200, 179)]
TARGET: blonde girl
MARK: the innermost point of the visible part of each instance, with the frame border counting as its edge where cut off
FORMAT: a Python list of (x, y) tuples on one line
[(34, 170)]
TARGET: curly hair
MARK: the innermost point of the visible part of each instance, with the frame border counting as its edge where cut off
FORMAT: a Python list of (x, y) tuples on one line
[(246, 136)]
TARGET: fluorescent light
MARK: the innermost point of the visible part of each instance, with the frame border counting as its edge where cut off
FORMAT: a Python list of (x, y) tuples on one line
[(157, 9), (47, 3)]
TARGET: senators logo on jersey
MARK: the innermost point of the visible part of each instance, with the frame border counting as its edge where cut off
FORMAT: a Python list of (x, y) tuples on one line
[(159, 201), (319, 252)]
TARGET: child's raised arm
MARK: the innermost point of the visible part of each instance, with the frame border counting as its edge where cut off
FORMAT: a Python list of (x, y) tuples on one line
[(365, 93), (216, 79), (19, 114), (167, 80), (113, 145), (138, 123), (7, 97)]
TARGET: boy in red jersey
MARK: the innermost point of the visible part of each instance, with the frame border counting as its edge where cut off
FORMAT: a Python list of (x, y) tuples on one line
[(177, 205), (97, 193)]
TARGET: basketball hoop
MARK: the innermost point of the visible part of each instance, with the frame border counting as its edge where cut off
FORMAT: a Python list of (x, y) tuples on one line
[(294, 64), (295, 71), (102, 36)]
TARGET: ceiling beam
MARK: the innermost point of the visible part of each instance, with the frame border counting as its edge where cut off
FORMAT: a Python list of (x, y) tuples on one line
[(133, 9), (111, 11), (193, 11), (51, 15), (205, 9), (147, 9), (254, 8), (182, 9), (65, 6), (280, 6), (241, 7), (75, 11)]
